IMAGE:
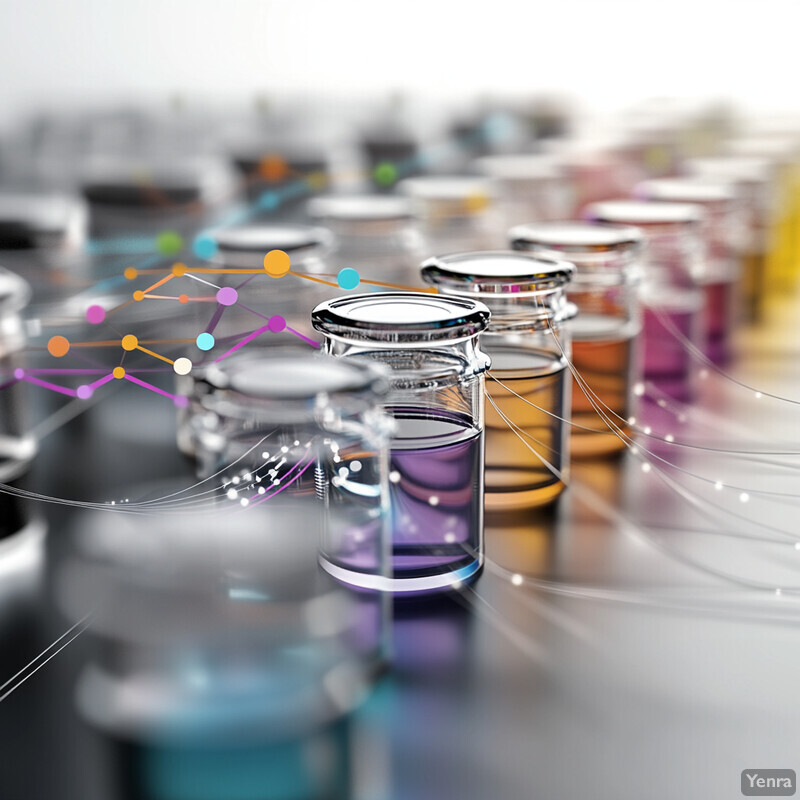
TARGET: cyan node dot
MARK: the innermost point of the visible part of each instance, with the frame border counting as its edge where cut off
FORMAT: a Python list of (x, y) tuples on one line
[(204, 247), (205, 341), (348, 278)]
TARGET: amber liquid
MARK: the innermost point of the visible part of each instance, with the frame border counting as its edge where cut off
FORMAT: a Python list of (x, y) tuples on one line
[(600, 411), (753, 285), (533, 397)]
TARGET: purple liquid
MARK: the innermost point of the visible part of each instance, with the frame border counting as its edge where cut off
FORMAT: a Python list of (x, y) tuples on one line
[(667, 359), (436, 490)]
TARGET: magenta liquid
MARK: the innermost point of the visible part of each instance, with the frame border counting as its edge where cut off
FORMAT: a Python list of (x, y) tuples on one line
[(671, 320), (436, 491), (720, 299)]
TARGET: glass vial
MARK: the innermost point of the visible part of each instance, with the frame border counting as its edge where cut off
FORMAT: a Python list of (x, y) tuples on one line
[(374, 234), (453, 213), (529, 188), (436, 399), (17, 446), (720, 273), (605, 331), (671, 290), (754, 180), (303, 431), (528, 387)]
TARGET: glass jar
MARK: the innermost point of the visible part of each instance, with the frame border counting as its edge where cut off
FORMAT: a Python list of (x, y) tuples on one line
[(720, 275), (605, 331), (528, 387), (18, 446), (259, 297), (671, 289), (42, 238), (437, 369), (220, 658), (454, 213), (303, 430), (755, 181), (529, 188), (128, 196), (374, 234)]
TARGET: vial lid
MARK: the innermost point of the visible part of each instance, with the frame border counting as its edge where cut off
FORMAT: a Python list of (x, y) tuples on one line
[(445, 187), (294, 376), (401, 318), (495, 272), (248, 244), (739, 169), (29, 221), (644, 212), (685, 190), (576, 238), (14, 292), (360, 208), (530, 167)]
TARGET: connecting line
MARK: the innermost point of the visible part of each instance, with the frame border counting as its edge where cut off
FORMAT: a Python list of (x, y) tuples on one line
[(155, 355), (304, 338), (215, 319), (289, 483), (179, 400), (207, 283), (10, 686), (51, 386), (247, 339)]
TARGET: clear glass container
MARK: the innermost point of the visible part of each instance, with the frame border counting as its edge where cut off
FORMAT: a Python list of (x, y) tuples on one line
[(42, 238), (259, 297), (374, 234), (303, 431), (436, 399), (529, 188), (18, 446), (722, 219), (671, 290), (454, 213), (146, 196), (605, 331), (528, 387), (755, 180), (220, 659)]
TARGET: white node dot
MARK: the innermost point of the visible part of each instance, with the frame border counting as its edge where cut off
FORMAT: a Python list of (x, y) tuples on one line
[(433, 500), (232, 494), (355, 466), (182, 366), (456, 584), (516, 579), (248, 476), (631, 420), (634, 449), (703, 373), (648, 430), (797, 545), (669, 438), (265, 455), (336, 480), (343, 472), (778, 592), (718, 486), (394, 476), (235, 479), (744, 497), (646, 467), (261, 490), (758, 395), (337, 459), (662, 403), (284, 449), (638, 389), (449, 538), (244, 501)]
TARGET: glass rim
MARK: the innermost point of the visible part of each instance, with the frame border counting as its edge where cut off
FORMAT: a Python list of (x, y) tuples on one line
[(577, 237), (644, 213)]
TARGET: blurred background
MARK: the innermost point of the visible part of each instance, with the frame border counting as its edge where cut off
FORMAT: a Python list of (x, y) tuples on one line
[(635, 634)]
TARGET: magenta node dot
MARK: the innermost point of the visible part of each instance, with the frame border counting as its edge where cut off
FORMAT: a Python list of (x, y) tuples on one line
[(85, 392), (95, 314), (19, 374), (227, 296), (180, 401), (277, 323)]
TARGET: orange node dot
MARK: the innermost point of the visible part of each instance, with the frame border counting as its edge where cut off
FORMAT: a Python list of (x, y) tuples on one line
[(129, 342), (138, 295), (118, 372), (273, 168), (277, 263), (178, 269), (183, 298), (58, 346), (131, 273)]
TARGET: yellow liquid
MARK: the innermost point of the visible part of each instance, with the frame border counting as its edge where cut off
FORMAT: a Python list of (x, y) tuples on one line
[(532, 397), (605, 367)]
